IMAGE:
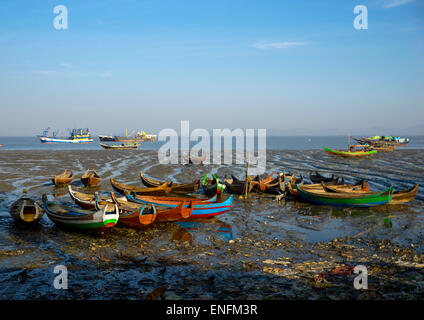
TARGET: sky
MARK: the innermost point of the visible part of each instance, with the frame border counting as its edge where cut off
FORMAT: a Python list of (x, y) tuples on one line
[(270, 64)]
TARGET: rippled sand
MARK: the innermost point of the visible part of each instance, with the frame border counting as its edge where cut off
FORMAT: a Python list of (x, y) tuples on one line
[(277, 248)]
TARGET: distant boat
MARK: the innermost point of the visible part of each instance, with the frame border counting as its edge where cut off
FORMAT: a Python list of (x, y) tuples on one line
[(397, 141), (77, 136), (106, 138), (124, 146), (140, 136)]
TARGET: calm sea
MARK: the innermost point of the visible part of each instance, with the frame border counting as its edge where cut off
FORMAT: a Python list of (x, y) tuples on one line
[(272, 143)]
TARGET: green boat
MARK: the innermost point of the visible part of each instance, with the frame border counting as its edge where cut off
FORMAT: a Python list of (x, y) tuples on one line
[(81, 219), (345, 199), (353, 151)]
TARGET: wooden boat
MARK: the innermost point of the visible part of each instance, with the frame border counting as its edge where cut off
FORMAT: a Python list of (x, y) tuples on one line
[(351, 153), (124, 146), (345, 199), (63, 179), (318, 178), (212, 186), (403, 196), (90, 178), (79, 218), (130, 213), (87, 200), (236, 187), (26, 209), (340, 186), (361, 186), (106, 138), (277, 185), (175, 187), (398, 197), (199, 208), (157, 191)]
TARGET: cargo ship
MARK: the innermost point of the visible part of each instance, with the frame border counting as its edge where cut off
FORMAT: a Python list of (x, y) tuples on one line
[(77, 136)]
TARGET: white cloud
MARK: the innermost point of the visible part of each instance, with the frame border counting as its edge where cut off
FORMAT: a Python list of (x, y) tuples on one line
[(64, 64), (396, 3), (278, 45)]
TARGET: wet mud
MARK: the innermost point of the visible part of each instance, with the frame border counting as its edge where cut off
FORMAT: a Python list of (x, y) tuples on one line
[(262, 249)]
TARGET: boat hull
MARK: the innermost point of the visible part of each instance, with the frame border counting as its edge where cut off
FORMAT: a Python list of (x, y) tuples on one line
[(54, 140), (346, 199), (200, 210)]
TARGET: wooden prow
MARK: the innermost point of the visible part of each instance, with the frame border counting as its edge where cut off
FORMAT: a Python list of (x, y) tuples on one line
[(186, 212), (146, 219)]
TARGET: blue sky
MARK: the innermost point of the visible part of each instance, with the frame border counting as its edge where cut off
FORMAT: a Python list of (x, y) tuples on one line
[(231, 63)]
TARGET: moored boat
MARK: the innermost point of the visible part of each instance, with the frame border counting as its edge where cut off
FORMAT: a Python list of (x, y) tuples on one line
[(398, 197), (404, 196), (351, 153), (106, 138), (175, 187), (77, 136), (318, 178), (25, 209), (79, 218), (345, 199), (90, 178), (63, 179), (200, 208), (123, 146), (156, 191)]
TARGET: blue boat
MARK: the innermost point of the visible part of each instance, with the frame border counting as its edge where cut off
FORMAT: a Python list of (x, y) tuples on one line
[(77, 136), (201, 208)]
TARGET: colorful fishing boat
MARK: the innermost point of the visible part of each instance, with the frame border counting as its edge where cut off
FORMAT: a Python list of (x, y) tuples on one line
[(345, 199), (353, 151), (63, 179), (175, 187), (212, 186), (200, 208), (130, 213), (77, 136), (90, 178), (398, 197), (157, 191), (73, 217), (25, 209)]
